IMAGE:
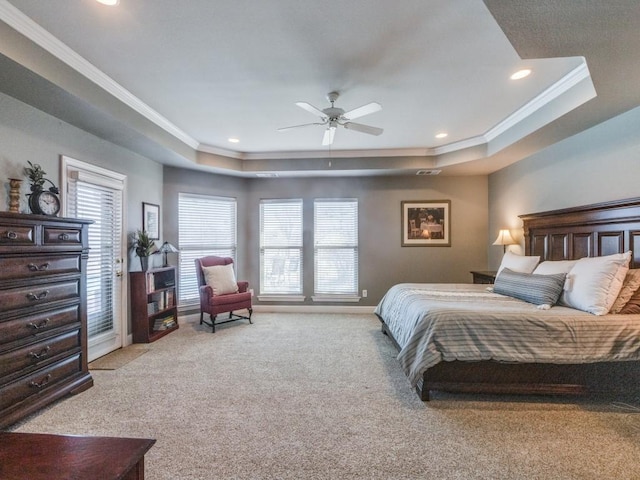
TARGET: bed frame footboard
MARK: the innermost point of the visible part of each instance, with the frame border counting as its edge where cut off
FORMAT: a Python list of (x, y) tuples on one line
[(491, 377)]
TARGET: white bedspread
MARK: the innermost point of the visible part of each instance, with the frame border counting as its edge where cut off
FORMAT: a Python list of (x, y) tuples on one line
[(446, 322)]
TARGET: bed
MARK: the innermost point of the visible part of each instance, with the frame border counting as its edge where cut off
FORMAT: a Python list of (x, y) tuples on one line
[(464, 338)]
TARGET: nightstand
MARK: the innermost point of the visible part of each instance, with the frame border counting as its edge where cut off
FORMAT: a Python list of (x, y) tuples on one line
[(484, 276)]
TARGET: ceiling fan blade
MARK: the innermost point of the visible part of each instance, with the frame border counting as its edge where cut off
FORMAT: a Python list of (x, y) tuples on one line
[(329, 133), (362, 111), (284, 129), (358, 127), (311, 109)]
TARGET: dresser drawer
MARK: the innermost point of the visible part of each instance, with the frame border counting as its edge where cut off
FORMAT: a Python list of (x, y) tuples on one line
[(39, 382), (37, 266), (39, 294), (61, 236), (30, 328), (17, 235), (27, 359)]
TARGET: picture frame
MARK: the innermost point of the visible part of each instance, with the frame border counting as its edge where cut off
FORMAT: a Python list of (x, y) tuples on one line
[(426, 223), (151, 220)]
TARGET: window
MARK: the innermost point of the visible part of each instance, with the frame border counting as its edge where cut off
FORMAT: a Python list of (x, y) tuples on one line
[(335, 247), (281, 247), (206, 226)]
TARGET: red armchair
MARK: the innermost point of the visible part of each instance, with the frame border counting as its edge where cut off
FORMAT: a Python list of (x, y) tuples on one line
[(226, 302)]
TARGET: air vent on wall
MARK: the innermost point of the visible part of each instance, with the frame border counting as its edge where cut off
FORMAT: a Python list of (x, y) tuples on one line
[(428, 172)]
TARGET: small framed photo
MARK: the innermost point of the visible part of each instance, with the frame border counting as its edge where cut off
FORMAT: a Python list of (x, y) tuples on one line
[(426, 223), (151, 220)]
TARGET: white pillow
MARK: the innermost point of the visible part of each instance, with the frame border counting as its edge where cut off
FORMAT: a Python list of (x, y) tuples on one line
[(221, 278), (595, 282), (518, 263), (551, 267)]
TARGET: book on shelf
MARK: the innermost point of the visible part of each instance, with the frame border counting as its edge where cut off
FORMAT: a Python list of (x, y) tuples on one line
[(170, 298), (164, 323), (162, 303), (151, 285), (152, 307)]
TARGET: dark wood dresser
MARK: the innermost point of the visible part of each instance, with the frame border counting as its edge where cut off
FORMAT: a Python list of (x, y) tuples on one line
[(43, 312)]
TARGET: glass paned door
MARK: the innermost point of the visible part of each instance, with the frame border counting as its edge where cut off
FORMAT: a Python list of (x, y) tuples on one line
[(97, 194)]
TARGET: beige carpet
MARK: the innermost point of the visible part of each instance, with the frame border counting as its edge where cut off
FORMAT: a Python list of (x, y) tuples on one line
[(305, 396), (118, 358)]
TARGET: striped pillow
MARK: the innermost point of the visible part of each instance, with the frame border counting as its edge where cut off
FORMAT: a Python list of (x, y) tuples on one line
[(532, 288)]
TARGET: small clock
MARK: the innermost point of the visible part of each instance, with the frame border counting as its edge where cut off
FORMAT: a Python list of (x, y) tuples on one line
[(44, 202)]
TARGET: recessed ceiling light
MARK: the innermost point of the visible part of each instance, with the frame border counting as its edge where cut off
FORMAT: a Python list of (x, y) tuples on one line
[(234, 140), (525, 72), (111, 3), (442, 135)]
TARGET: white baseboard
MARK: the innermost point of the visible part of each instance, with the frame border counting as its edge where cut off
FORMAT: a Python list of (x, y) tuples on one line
[(313, 309), (195, 316)]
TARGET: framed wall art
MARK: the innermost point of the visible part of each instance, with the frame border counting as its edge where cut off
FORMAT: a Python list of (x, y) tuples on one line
[(151, 220), (426, 223)]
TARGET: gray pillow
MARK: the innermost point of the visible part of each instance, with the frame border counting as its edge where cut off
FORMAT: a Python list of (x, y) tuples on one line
[(532, 288)]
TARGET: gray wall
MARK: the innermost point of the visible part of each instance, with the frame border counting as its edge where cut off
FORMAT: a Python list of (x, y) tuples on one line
[(600, 164), (27, 134), (383, 261)]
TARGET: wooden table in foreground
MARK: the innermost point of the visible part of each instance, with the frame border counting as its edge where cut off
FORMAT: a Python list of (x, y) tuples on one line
[(39, 456)]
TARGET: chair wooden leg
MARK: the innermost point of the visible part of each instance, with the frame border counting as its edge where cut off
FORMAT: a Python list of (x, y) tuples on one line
[(201, 316), (250, 313), (213, 323)]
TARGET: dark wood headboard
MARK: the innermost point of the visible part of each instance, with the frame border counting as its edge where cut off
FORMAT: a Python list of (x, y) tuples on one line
[(587, 231)]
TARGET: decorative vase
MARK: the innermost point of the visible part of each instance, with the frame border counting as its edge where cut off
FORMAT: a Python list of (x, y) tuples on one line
[(14, 194), (144, 263)]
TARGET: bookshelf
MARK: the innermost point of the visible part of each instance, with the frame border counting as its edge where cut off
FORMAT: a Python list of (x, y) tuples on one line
[(154, 312)]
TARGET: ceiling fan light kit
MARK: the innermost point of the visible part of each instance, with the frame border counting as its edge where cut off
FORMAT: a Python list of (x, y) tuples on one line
[(333, 117)]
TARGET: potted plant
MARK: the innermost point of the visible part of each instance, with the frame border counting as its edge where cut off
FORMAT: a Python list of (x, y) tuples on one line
[(41, 201), (36, 176), (144, 247)]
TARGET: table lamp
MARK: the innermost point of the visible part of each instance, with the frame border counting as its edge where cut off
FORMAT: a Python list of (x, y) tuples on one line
[(504, 239), (164, 249)]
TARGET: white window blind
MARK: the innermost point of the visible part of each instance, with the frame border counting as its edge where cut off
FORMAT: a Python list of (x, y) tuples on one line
[(103, 205), (281, 247), (336, 246), (206, 226)]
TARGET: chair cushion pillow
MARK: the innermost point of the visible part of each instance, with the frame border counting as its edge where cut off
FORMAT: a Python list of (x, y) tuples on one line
[(536, 289), (221, 279)]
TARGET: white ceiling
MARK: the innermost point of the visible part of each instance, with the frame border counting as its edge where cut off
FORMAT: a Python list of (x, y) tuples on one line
[(204, 71)]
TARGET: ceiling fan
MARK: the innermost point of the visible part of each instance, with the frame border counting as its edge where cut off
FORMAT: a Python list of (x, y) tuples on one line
[(333, 117)]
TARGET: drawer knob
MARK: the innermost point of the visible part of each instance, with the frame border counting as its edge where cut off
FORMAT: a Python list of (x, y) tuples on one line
[(64, 237), (34, 297), (44, 353), (38, 268), (42, 383), (11, 235), (40, 325)]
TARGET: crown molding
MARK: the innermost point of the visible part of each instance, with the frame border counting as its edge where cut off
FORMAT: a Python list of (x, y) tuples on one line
[(38, 35), (562, 86), (34, 32)]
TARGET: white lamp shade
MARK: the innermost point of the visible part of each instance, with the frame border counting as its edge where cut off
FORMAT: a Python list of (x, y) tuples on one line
[(504, 238)]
